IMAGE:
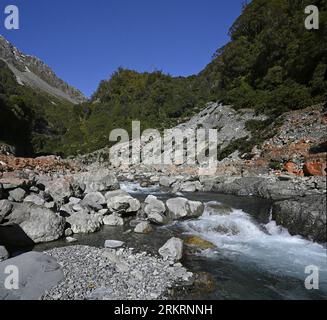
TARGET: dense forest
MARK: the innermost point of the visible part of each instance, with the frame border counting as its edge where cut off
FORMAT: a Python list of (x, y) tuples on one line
[(272, 64)]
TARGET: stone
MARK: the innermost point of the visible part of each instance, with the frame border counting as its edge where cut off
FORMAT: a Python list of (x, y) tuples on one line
[(82, 222), (166, 181), (39, 224), (304, 216), (113, 220), (71, 240), (73, 200), (143, 227), (36, 199), (95, 200), (98, 180), (155, 210), (68, 232), (4, 255), (17, 194), (123, 204), (111, 194), (38, 273), (113, 244), (5, 209), (315, 168), (199, 243), (172, 250), (181, 208)]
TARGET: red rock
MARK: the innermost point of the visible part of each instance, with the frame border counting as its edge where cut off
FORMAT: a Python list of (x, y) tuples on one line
[(315, 168)]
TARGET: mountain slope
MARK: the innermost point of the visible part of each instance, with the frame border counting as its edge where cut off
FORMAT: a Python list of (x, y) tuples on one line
[(33, 72)]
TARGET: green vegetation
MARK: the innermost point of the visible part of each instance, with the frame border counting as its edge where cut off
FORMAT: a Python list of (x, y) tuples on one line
[(33, 122), (272, 64)]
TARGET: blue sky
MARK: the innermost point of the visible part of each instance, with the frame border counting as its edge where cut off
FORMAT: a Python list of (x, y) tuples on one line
[(85, 41)]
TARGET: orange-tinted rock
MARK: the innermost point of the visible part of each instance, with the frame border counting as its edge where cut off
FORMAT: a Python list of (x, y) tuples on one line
[(291, 167), (315, 168)]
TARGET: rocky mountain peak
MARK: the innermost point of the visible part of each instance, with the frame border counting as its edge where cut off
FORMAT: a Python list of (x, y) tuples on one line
[(33, 72)]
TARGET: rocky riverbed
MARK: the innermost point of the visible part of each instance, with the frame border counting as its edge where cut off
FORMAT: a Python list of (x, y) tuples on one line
[(107, 274)]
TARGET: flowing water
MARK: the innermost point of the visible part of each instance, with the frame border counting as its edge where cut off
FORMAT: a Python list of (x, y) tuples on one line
[(253, 258)]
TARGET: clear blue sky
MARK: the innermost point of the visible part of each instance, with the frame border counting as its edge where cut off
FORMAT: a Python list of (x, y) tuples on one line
[(85, 41)]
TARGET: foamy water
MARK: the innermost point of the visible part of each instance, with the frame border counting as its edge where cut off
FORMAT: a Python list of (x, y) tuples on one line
[(269, 247)]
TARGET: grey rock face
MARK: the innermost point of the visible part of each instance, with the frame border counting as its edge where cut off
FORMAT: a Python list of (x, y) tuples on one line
[(5, 209), (123, 204), (167, 181), (37, 274), (40, 224), (82, 222), (17, 194), (181, 208), (303, 216), (4, 255), (172, 250)]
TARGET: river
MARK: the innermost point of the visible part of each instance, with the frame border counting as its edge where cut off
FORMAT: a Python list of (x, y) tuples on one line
[(253, 258)]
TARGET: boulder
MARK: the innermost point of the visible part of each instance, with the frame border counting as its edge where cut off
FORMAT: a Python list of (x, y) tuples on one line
[(113, 244), (17, 194), (199, 243), (315, 168), (143, 227), (38, 273), (5, 208), (82, 222), (35, 199), (155, 210), (123, 204), (94, 200), (172, 250), (113, 220), (98, 180), (166, 181), (181, 208), (4, 255), (303, 216), (39, 224), (111, 194), (64, 188)]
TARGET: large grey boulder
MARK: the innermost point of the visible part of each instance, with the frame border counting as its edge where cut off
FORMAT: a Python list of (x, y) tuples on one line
[(111, 194), (167, 181), (17, 194), (4, 255), (172, 250), (113, 220), (303, 216), (38, 273), (98, 180), (82, 222), (182, 208), (123, 204), (94, 200), (5, 208), (155, 210), (64, 188), (39, 224)]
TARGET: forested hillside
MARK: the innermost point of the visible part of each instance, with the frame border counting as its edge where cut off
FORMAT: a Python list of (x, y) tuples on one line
[(271, 64)]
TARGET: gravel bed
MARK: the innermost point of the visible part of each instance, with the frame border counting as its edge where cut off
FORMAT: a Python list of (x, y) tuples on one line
[(106, 274)]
